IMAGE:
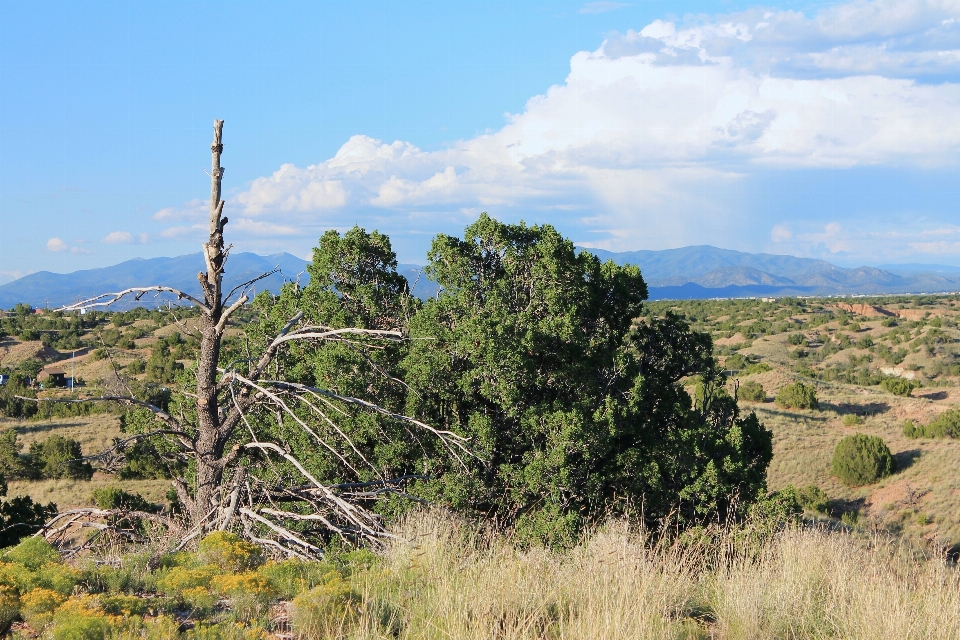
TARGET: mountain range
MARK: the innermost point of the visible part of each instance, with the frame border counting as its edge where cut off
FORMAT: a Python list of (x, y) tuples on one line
[(686, 273)]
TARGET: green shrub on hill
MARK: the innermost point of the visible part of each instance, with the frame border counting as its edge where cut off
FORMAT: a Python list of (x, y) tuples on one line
[(861, 459), (797, 396), (898, 386), (946, 425), (813, 498), (59, 457), (752, 391)]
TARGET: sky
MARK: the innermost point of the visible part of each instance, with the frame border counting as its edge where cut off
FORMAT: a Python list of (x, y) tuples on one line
[(817, 129)]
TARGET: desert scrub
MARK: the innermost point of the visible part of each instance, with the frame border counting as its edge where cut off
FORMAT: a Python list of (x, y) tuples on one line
[(248, 594), (861, 459), (946, 425), (81, 618), (797, 396), (228, 552), (898, 386), (852, 420), (330, 610), (752, 391), (290, 578), (813, 498), (37, 606), (35, 564)]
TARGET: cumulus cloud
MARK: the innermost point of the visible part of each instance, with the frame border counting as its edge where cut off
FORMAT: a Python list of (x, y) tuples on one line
[(646, 140), (191, 210), (181, 231), (118, 237), (56, 244)]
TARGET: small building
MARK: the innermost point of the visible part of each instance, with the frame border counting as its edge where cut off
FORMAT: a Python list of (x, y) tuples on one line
[(52, 378)]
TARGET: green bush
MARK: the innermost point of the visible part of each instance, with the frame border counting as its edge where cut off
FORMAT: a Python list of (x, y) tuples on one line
[(752, 392), (290, 578), (796, 339), (797, 396), (32, 553), (136, 366), (228, 552), (330, 610), (59, 457), (946, 425), (813, 498), (861, 459), (898, 386), (851, 420), (117, 498)]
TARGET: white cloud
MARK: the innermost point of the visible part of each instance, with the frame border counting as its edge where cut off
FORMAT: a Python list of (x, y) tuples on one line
[(647, 137), (56, 244), (780, 233), (118, 237), (195, 209), (601, 7), (182, 231), (261, 228)]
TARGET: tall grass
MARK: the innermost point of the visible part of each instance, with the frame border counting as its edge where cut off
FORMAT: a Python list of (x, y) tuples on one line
[(443, 579)]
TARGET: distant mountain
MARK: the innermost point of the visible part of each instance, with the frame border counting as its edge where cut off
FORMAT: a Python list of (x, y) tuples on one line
[(708, 272), (690, 272), (45, 289), (914, 268)]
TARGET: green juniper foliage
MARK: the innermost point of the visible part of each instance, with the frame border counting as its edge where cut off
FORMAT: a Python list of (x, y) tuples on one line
[(527, 349), (797, 396), (861, 459)]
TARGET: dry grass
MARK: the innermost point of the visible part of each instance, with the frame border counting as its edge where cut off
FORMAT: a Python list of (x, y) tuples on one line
[(95, 433), (444, 580), (67, 494)]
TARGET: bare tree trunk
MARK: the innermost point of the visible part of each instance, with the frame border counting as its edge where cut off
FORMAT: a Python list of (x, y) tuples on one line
[(209, 441)]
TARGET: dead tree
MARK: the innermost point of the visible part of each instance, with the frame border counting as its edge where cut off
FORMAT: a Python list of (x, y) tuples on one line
[(223, 496)]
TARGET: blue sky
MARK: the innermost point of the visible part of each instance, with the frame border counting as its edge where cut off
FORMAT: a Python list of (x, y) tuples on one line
[(821, 129)]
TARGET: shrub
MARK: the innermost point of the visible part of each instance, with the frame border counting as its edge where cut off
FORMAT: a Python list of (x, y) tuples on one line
[(861, 459), (851, 420), (178, 580), (796, 339), (946, 425), (752, 392), (117, 498), (813, 498), (736, 362), (779, 508), (59, 457), (82, 619), (32, 553), (898, 386), (136, 366), (797, 396), (38, 605), (248, 593), (290, 578), (229, 552), (330, 610), (9, 607), (123, 605)]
